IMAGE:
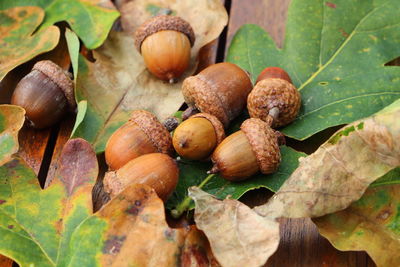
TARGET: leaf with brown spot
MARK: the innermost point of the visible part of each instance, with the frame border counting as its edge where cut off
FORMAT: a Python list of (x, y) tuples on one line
[(327, 181), (118, 82), (371, 224), (340, 171), (44, 220), (56, 226), (131, 231), (11, 121), (18, 44)]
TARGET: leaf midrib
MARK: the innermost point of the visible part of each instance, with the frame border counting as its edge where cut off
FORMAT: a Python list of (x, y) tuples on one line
[(341, 47), (30, 235)]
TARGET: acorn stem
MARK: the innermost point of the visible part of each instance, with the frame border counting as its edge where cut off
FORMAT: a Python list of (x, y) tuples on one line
[(171, 123), (274, 112), (184, 205), (190, 111)]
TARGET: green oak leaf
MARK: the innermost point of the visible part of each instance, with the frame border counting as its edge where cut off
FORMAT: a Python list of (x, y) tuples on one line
[(335, 53), (194, 173), (372, 224), (91, 20), (18, 43), (11, 121)]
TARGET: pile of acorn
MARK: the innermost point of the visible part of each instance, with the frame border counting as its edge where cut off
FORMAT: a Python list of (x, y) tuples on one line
[(142, 150)]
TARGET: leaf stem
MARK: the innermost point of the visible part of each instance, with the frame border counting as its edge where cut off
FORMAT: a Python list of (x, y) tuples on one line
[(184, 205)]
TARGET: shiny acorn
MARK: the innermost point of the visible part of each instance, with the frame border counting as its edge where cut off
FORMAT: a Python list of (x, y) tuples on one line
[(46, 94), (220, 90), (252, 149), (157, 170), (197, 137), (142, 134), (165, 43)]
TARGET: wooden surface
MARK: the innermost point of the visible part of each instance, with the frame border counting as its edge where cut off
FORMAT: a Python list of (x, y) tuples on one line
[(301, 245)]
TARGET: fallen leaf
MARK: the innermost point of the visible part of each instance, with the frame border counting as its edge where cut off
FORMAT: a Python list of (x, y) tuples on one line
[(340, 171), (238, 236), (327, 181), (371, 224), (18, 44), (118, 82), (91, 20), (11, 121), (335, 56), (56, 226)]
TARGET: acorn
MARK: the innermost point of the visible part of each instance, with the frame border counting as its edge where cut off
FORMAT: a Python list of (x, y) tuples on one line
[(197, 137), (220, 90), (274, 99), (142, 134), (273, 72), (165, 42), (252, 149), (156, 170), (46, 94)]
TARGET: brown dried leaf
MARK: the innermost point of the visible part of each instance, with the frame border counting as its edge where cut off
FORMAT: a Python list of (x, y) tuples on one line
[(238, 236), (336, 175), (118, 82), (137, 233), (371, 224), (340, 171)]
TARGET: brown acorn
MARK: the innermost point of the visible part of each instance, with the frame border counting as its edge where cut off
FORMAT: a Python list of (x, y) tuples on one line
[(142, 134), (46, 94), (156, 170), (275, 101), (165, 42), (251, 149), (220, 90), (197, 137), (273, 72)]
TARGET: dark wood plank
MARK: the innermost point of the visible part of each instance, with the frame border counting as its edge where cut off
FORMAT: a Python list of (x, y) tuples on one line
[(63, 135), (301, 244), (32, 145), (269, 14)]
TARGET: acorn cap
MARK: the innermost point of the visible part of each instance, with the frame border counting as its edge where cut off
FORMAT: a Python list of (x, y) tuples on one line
[(197, 93), (163, 23), (264, 143), (274, 92), (218, 127), (59, 77), (157, 133)]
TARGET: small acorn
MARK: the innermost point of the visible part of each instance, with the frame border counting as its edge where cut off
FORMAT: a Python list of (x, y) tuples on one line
[(253, 148), (197, 137), (46, 94), (142, 134), (156, 170), (220, 90), (165, 42), (273, 72), (274, 99)]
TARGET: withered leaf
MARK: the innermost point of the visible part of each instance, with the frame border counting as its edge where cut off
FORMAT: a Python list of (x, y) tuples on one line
[(18, 44), (238, 236), (371, 224), (11, 121), (327, 181), (118, 82), (56, 226)]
